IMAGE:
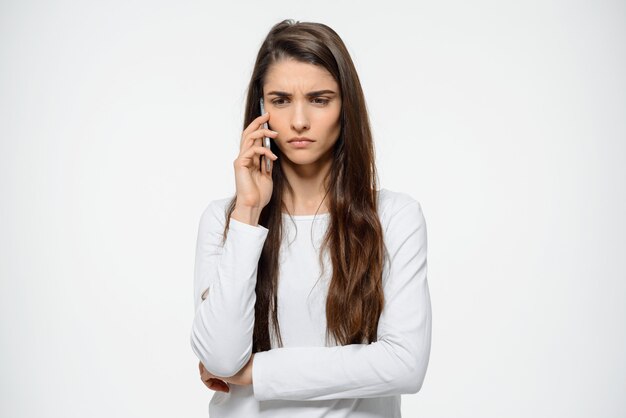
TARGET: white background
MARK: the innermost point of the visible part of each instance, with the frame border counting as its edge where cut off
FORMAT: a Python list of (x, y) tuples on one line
[(119, 123)]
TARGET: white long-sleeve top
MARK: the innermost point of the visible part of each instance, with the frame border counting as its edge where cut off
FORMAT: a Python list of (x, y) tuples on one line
[(305, 377)]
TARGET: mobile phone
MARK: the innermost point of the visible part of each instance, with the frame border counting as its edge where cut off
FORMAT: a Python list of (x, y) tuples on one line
[(266, 140)]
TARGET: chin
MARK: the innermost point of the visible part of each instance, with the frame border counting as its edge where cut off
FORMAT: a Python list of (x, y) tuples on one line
[(306, 156), (302, 159)]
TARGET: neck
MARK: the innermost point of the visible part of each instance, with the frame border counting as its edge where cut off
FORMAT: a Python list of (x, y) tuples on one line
[(307, 182)]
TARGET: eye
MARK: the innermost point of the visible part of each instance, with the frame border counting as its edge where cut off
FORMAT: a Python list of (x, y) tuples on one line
[(276, 102), (321, 100)]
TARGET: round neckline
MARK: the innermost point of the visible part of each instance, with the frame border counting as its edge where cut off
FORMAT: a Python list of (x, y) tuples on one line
[(307, 217)]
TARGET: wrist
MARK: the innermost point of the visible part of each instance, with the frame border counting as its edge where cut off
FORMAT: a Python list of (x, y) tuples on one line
[(250, 375), (247, 214)]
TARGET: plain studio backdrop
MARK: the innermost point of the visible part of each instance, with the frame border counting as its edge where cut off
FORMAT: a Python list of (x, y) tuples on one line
[(120, 122)]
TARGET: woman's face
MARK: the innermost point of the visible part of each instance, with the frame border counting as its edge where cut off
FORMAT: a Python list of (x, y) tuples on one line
[(303, 101)]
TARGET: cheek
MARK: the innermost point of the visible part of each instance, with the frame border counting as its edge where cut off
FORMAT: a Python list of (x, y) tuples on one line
[(336, 126), (331, 122), (274, 124), (280, 123), (337, 118)]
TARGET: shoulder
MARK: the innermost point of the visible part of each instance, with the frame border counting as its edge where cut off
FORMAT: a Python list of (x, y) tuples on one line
[(403, 223), (393, 204), (214, 212)]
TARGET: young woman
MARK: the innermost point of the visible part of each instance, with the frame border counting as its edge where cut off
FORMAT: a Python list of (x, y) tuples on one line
[(310, 289)]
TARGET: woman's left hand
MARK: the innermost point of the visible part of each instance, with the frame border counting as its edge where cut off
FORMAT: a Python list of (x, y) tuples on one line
[(242, 378)]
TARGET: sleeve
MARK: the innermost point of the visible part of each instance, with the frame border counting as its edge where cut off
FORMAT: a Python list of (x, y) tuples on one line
[(224, 291), (394, 364)]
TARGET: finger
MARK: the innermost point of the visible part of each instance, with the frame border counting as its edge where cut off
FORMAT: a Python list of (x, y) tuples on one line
[(208, 384), (259, 134), (221, 385), (255, 124), (207, 378), (205, 375), (250, 158), (217, 385)]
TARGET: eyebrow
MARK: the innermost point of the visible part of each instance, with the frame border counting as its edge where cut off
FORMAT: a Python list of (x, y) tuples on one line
[(310, 94)]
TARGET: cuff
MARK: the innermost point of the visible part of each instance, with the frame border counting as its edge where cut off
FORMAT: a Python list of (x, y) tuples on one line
[(259, 367), (237, 225)]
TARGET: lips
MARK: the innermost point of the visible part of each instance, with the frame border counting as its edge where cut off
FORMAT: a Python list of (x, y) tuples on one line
[(301, 139), (302, 144)]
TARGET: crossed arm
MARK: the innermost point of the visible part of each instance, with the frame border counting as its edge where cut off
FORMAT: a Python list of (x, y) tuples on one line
[(222, 328)]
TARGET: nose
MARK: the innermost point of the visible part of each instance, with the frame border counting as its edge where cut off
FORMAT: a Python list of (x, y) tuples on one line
[(299, 119)]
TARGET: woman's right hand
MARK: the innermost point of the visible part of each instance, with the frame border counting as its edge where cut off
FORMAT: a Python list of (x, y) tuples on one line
[(254, 183), (211, 381)]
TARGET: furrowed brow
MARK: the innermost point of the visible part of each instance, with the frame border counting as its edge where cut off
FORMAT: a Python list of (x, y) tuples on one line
[(310, 94)]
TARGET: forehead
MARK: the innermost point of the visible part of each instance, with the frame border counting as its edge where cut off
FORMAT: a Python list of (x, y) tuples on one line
[(289, 75)]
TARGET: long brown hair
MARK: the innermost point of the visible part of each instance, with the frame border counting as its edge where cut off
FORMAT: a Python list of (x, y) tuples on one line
[(354, 238)]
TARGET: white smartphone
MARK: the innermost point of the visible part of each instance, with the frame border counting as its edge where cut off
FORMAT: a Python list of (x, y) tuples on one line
[(266, 140)]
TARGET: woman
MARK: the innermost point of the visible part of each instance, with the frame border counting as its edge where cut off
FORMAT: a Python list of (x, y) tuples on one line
[(310, 284)]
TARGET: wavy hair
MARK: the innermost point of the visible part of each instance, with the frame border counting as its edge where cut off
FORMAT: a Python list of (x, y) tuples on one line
[(354, 237)]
